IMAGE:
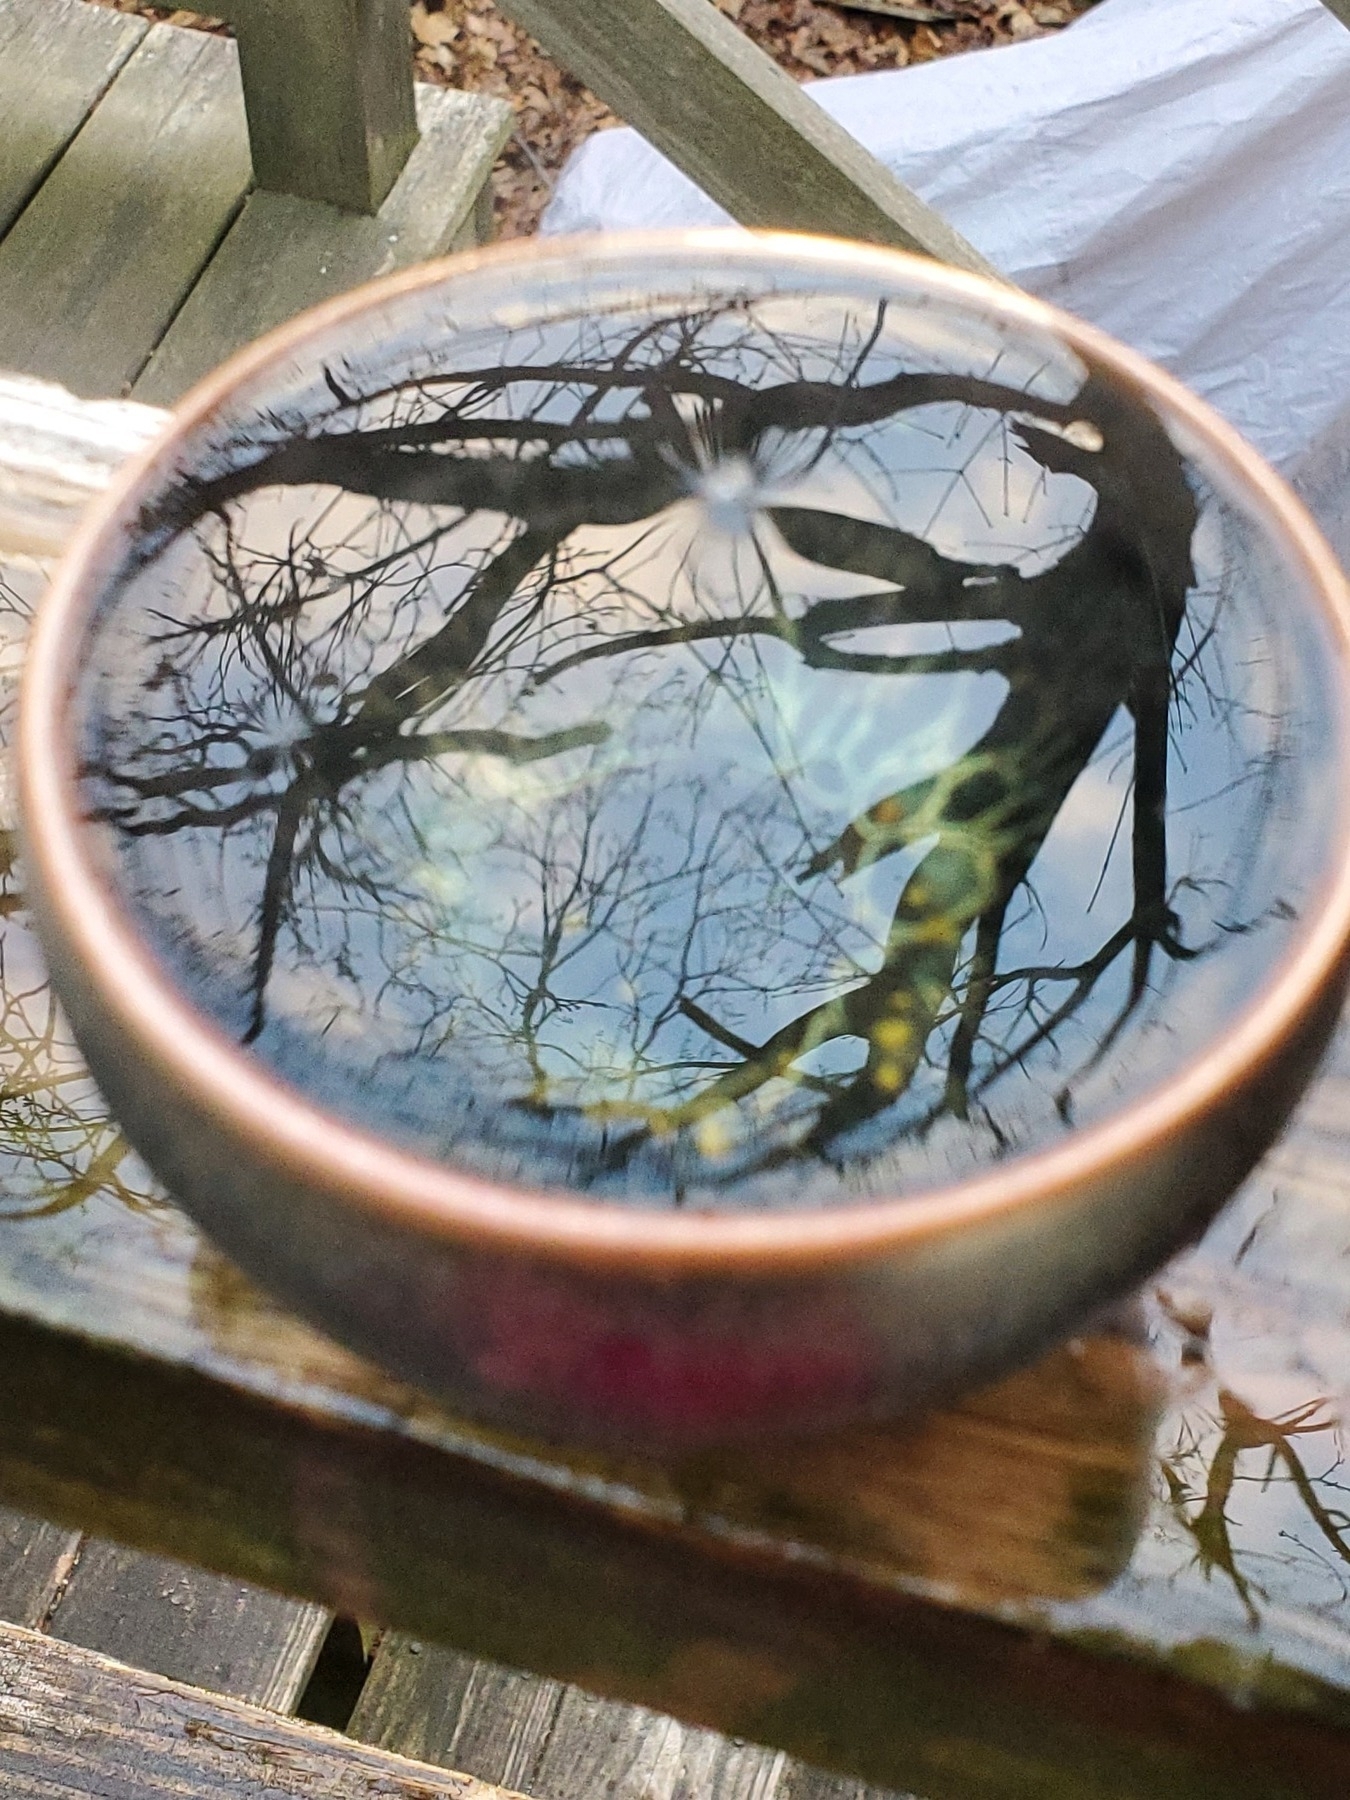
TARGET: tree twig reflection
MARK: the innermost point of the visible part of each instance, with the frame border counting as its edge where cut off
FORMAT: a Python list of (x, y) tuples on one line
[(475, 568)]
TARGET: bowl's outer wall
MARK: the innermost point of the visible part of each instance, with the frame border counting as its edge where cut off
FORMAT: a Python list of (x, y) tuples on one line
[(584, 1352)]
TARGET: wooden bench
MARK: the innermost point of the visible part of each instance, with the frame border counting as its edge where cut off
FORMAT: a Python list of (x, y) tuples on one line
[(144, 234), (1119, 1575), (998, 1604)]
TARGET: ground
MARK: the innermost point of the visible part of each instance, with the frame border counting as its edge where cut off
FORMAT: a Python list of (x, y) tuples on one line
[(470, 44)]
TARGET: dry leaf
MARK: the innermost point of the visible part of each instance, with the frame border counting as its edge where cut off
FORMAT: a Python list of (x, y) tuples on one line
[(807, 38), (433, 29), (900, 9)]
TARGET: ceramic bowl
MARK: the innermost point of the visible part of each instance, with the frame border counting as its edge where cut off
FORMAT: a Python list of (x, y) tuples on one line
[(698, 835)]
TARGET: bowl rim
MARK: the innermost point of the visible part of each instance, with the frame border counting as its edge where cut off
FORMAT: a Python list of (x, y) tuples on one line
[(318, 1149)]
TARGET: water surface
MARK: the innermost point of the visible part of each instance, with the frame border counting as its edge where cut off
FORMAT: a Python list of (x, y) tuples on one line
[(764, 754)]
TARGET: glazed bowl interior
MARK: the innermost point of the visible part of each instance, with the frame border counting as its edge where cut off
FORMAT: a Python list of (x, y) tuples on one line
[(694, 749)]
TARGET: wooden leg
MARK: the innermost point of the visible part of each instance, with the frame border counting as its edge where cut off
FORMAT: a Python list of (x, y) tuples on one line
[(329, 93)]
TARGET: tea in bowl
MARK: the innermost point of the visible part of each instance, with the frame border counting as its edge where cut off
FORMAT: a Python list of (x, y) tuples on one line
[(699, 835)]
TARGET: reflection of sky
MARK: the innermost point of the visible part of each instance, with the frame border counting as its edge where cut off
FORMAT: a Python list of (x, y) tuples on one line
[(1277, 1336), (468, 926)]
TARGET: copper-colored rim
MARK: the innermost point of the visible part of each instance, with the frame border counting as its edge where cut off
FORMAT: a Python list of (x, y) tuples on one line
[(366, 1172)]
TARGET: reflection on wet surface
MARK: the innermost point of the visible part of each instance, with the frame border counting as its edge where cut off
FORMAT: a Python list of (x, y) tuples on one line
[(1183, 1490), (1178, 1488), (757, 756), (58, 1147)]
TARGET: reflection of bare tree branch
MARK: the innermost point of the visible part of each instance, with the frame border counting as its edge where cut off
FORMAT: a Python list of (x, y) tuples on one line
[(1243, 1431), (521, 589), (426, 674), (58, 1143), (410, 461)]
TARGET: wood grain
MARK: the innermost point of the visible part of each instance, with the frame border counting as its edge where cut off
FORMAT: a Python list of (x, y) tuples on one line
[(173, 1620), (56, 453), (442, 1707), (76, 1726), (162, 167), (34, 1559), (727, 115), (57, 57), (283, 254), (329, 91), (549, 1740)]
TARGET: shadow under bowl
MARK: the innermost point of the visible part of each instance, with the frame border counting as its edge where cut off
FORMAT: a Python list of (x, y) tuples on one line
[(699, 835)]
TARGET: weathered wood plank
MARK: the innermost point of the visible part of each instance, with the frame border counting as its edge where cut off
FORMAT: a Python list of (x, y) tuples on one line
[(994, 1603), (283, 254), (442, 1707), (727, 115), (99, 261), (802, 1783), (554, 1742), (329, 90), (34, 1560), (599, 1747), (56, 453), (816, 1659), (76, 1725), (56, 59), (192, 1626)]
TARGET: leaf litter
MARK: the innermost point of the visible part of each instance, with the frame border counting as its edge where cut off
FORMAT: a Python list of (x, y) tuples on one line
[(469, 44)]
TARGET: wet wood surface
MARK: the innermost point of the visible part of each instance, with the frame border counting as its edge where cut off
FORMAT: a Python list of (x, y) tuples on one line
[(1122, 1572), (904, 1656)]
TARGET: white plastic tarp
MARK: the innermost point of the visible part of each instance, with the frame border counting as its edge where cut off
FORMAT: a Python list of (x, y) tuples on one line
[(1177, 171)]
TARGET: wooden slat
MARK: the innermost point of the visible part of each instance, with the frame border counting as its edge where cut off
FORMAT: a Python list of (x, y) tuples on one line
[(726, 114), (442, 1707), (56, 453), (76, 1726), (34, 1560), (184, 1623), (284, 254), (799, 1782), (56, 59), (97, 264), (329, 90), (597, 1747), (556, 1742)]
